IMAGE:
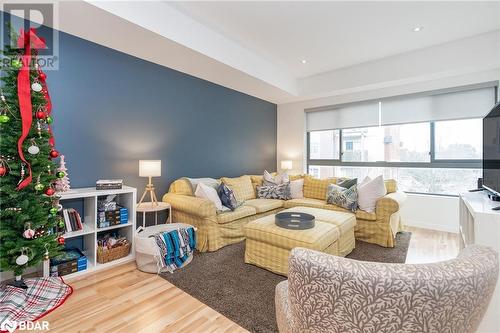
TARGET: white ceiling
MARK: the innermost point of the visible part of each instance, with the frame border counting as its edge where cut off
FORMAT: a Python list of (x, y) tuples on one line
[(257, 47), (333, 35)]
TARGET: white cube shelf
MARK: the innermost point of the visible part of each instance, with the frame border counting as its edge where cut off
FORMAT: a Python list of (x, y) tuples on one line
[(126, 197)]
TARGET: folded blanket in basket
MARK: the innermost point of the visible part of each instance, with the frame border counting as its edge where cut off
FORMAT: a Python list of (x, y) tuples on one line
[(175, 247)]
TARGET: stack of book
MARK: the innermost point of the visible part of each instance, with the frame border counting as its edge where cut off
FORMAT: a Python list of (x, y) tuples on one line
[(72, 220), (109, 184)]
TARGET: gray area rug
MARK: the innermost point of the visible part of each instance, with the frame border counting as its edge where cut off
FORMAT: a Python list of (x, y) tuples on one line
[(245, 293)]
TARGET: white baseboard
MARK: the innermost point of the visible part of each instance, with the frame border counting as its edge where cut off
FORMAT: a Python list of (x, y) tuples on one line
[(431, 226)]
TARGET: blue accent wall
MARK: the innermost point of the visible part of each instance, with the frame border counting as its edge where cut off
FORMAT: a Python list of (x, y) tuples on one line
[(112, 109)]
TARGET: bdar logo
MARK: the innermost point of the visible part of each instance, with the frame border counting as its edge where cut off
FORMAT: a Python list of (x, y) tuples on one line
[(8, 325)]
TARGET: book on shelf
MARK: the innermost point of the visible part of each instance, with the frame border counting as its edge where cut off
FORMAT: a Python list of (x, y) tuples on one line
[(72, 220)]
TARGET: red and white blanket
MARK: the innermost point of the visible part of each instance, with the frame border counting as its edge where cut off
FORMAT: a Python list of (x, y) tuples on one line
[(18, 307)]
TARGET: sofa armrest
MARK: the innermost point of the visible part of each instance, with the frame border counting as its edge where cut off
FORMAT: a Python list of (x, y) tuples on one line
[(390, 203), (192, 205)]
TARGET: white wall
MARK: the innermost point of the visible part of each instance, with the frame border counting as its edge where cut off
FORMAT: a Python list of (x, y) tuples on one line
[(434, 212)]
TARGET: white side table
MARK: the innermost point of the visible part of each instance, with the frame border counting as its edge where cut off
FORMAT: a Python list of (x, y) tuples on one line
[(148, 207)]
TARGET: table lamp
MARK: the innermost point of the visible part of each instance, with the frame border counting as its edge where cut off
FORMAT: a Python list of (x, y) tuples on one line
[(286, 165), (150, 168)]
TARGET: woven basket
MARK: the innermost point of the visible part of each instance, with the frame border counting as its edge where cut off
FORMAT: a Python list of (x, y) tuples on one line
[(105, 255)]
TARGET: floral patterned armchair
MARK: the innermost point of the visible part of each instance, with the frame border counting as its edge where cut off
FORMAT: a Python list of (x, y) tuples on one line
[(325, 293)]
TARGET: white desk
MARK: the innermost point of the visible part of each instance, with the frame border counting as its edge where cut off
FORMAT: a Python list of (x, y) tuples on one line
[(479, 224)]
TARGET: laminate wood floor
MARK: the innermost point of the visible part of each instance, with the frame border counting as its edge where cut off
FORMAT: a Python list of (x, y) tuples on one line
[(124, 299)]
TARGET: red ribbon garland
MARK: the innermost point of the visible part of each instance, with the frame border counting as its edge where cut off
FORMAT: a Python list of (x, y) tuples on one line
[(24, 94)]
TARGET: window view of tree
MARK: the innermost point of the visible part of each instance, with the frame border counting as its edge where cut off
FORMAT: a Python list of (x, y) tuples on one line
[(421, 180)]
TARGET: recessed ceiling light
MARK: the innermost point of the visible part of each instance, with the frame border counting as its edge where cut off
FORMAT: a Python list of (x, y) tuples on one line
[(303, 61), (417, 29)]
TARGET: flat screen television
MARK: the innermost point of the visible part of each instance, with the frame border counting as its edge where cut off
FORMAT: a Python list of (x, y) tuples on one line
[(491, 151)]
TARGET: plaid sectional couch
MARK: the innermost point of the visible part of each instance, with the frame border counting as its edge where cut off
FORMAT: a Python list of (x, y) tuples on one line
[(217, 230)]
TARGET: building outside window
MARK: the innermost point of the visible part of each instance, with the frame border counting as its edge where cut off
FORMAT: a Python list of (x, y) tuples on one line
[(435, 156)]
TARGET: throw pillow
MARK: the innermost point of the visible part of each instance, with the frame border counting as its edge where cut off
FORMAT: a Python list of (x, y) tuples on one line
[(281, 192), (227, 197), (348, 183), (369, 192), (207, 192), (297, 189), (278, 179), (212, 182), (241, 186), (343, 197)]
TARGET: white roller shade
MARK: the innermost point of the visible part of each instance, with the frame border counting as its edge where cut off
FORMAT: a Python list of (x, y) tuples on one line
[(354, 115), (447, 106)]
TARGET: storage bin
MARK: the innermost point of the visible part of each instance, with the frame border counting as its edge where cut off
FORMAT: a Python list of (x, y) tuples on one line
[(105, 255), (145, 246)]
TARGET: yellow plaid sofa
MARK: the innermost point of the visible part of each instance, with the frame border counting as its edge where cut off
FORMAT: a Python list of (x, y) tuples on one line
[(218, 230)]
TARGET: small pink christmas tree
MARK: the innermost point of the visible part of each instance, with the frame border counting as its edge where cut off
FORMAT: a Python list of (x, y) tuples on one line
[(62, 184)]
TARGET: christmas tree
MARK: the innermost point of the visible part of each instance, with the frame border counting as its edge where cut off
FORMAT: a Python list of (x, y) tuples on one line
[(28, 205), (62, 184)]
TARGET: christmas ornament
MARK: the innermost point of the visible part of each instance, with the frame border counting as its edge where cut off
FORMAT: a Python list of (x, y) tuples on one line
[(46, 261), (40, 114), (23, 172), (23, 258), (60, 240), (17, 64), (4, 118), (42, 76), (50, 191), (36, 86), (39, 186), (54, 153), (33, 149), (49, 120), (4, 167), (28, 232), (61, 224), (39, 232), (60, 174), (53, 211)]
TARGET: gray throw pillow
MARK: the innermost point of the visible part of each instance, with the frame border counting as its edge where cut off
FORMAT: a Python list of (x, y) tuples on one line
[(343, 197), (347, 183), (281, 192)]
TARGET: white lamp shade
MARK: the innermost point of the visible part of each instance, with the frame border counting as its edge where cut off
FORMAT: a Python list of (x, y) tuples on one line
[(149, 168), (286, 165)]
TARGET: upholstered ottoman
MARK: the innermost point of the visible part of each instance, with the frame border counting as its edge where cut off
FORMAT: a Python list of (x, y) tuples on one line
[(268, 246)]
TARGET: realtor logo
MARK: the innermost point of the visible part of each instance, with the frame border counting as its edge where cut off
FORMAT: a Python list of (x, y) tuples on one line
[(41, 16), (11, 325), (8, 325)]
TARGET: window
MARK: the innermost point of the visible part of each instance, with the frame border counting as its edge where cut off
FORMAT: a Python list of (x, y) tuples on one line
[(366, 144), (324, 145), (321, 171), (459, 139), (416, 141)]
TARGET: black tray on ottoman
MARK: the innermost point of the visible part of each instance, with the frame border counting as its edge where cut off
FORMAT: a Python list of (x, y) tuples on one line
[(296, 221)]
